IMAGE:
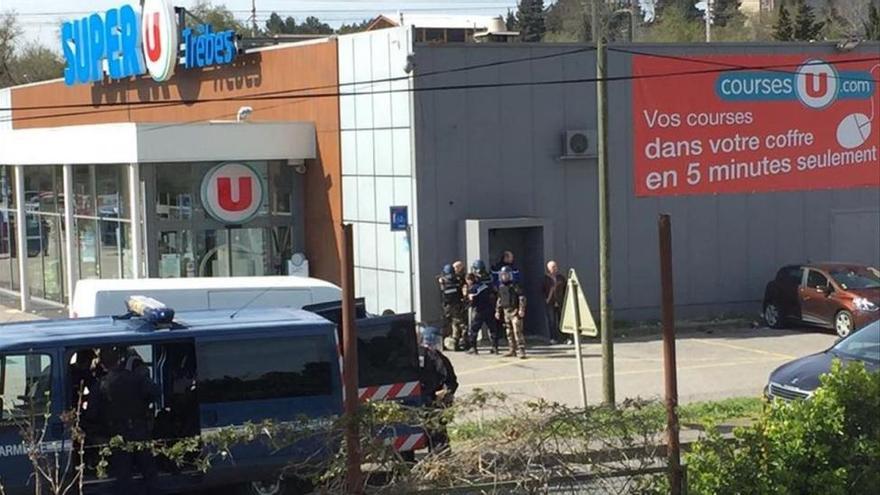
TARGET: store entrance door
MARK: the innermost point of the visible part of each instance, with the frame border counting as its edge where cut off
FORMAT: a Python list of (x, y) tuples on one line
[(233, 252)]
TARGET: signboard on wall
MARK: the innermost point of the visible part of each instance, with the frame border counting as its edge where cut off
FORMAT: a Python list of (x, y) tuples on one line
[(232, 192), (120, 43), (715, 124)]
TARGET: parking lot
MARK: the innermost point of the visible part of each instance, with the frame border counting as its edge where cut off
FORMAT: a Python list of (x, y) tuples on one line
[(712, 364)]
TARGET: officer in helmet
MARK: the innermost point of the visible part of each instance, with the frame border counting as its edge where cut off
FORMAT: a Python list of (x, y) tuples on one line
[(511, 309), (482, 301), (438, 381), (452, 299)]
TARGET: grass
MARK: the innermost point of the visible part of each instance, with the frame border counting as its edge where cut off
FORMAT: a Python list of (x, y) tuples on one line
[(704, 414)]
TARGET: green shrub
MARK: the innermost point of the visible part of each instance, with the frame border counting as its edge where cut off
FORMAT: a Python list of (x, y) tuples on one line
[(829, 444)]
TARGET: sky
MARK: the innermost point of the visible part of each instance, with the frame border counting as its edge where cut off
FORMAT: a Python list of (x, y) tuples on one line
[(41, 19)]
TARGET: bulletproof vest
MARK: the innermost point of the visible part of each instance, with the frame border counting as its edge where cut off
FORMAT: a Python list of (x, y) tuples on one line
[(451, 289), (508, 296)]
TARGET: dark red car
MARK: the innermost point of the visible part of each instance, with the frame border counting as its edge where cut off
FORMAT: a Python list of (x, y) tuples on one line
[(841, 296)]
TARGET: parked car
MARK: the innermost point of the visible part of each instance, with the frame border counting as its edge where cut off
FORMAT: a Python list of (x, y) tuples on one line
[(798, 379), (840, 296)]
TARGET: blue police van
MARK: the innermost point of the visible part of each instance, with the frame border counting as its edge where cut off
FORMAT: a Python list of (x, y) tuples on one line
[(211, 369)]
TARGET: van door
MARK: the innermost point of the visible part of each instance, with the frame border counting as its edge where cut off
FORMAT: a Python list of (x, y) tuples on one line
[(26, 396)]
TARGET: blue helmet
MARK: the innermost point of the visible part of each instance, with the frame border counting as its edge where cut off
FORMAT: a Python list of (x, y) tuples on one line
[(478, 266), (447, 269), (431, 337), (505, 274)]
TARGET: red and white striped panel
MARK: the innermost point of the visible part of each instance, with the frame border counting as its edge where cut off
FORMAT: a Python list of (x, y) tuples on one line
[(389, 392), (406, 443)]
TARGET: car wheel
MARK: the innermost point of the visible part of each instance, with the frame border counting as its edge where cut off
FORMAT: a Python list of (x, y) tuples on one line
[(772, 316), (843, 323), (279, 486)]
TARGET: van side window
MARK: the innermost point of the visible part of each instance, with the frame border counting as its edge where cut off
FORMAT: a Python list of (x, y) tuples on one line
[(25, 385), (233, 371)]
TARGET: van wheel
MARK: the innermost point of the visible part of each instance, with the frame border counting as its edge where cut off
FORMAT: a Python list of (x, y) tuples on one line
[(291, 486)]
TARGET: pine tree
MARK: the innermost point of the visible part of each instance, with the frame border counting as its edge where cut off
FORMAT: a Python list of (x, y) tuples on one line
[(726, 11), (783, 30), (275, 25), (510, 21), (872, 25), (530, 18), (806, 27)]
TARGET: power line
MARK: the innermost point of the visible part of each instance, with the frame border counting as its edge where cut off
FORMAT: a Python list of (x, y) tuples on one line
[(275, 96)]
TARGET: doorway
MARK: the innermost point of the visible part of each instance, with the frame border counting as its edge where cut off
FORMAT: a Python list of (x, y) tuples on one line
[(530, 241)]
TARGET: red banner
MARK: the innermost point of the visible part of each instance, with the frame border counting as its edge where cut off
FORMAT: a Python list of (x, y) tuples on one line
[(740, 124)]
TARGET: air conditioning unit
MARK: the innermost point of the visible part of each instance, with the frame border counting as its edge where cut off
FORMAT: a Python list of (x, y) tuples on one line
[(578, 144)]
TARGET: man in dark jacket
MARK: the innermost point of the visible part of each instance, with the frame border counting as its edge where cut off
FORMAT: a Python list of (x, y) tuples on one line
[(511, 308), (554, 297), (125, 399), (438, 382)]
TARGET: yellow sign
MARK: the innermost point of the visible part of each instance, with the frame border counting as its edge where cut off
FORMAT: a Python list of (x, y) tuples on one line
[(575, 311)]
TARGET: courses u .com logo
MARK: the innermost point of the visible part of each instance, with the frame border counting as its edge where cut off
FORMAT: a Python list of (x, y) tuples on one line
[(815, 84)]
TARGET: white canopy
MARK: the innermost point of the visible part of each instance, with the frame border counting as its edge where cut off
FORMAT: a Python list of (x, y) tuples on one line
[(163, 143)]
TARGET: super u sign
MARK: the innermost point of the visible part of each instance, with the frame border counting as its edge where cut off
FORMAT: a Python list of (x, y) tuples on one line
[(122, 43), (232, 192)]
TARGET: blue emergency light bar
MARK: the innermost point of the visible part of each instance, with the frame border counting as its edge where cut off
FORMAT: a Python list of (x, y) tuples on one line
[(149, 309)]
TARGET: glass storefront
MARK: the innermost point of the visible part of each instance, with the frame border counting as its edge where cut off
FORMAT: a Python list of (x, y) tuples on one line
[(188, 242), (181, 238)]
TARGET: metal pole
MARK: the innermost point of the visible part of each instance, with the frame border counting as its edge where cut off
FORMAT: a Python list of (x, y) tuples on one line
[(69, 231), (254, 17), (673, 453), (709, 5), (412, 270), (604, 218), (135, 204), (350, 366), (21, 239), (573, 293)]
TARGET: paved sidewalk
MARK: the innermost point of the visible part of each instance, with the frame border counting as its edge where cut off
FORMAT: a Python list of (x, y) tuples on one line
[(9, 312), (712, 364)]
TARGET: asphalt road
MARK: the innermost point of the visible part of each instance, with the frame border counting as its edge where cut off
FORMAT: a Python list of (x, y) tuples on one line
[(711, 365)]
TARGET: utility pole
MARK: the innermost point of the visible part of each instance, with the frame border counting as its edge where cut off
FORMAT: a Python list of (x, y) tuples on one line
[(710, 18), (606, 324), (254, 18), (670, 375)]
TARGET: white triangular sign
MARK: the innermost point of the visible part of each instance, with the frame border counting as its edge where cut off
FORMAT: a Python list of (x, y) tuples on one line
[(577, 317)]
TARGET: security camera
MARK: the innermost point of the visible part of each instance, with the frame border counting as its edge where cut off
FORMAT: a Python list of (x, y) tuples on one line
[(300, 168), (410, 64), (243, 114)]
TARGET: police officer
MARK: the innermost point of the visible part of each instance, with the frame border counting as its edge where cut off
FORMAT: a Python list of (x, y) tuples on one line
[(492, 325), (438, 382), (481, 298), (452, 298), (511, 307), (126, 395)]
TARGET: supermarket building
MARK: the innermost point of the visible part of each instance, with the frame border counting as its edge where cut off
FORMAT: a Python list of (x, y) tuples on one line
[(490, 146)]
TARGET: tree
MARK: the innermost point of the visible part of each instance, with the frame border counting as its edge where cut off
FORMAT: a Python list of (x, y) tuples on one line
[(313, 25), (510, 21), (783, 30), (567, 21), (726, 12), (9, 32), (872, 25), (24, 63), (354, 27), (675, 25), (530, 16), (275, 24), (217, 16), (806, 27), (36, 63)]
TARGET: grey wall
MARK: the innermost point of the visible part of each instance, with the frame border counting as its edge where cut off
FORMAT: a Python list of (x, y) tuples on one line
[(493, 152)]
